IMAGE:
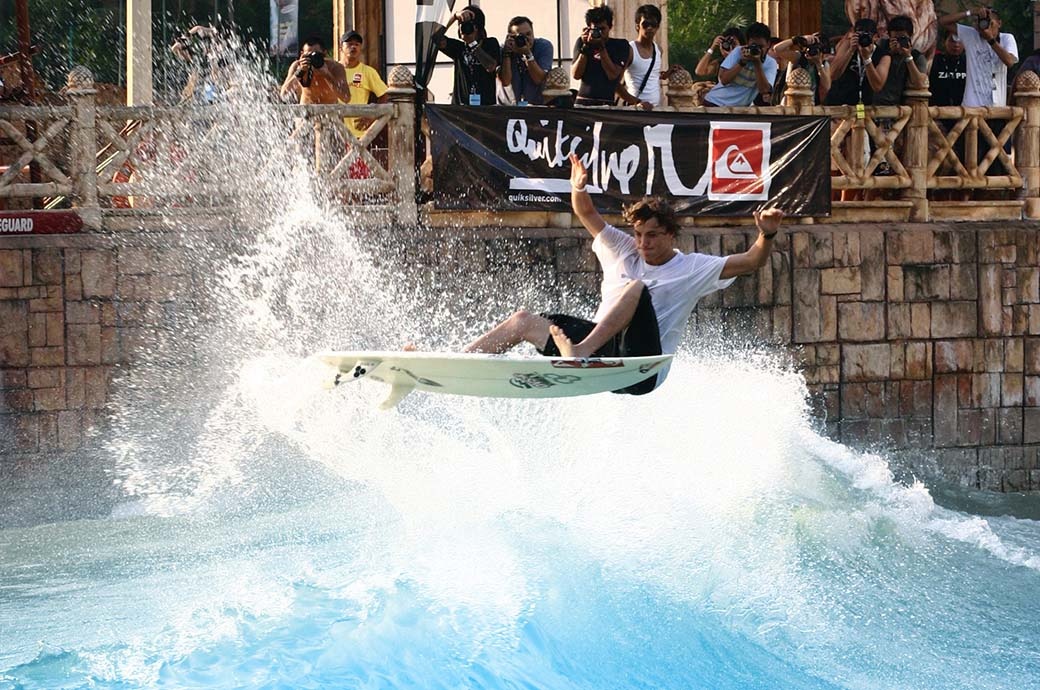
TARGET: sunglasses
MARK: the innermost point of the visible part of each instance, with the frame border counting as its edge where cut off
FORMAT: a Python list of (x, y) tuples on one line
[(650, 25)]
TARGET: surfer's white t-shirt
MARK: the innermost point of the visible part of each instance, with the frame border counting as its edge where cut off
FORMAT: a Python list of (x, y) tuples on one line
[(675, 287)]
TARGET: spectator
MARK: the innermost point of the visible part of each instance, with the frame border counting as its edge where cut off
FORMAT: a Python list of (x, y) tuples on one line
[(746, 73), (526, 62), (989, 54), (708, 66), (476, 57), (853, 56), (896, 65), (208, 79), (600, 60), (807, 52), (949, 71), (642, 85), (364, 82), (314, 78)]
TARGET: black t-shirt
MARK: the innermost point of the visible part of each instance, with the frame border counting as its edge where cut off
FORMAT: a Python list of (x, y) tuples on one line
[(852, 86), (947, 79), (596, 88), (470, 75)]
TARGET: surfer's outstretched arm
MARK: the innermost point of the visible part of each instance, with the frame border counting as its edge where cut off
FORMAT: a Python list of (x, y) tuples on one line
[(581, 202), (768, 222)]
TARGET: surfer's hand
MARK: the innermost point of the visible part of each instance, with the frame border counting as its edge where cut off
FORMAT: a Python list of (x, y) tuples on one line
[(579, 175), (768, 221)]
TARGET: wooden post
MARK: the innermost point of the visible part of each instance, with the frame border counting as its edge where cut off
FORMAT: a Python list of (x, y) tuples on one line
[(680, 90), (1027, 140), (138, 52), (402, 143), (799, 90), (915, 154), (84, 151)]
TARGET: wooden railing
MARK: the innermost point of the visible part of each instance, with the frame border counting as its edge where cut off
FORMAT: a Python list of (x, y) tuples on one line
[(99, 158)]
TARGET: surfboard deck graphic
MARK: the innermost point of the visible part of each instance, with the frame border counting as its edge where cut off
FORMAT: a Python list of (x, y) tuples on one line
[(493, 376)]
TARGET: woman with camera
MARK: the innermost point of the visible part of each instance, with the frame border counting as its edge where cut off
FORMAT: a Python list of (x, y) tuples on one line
[(708, 65)]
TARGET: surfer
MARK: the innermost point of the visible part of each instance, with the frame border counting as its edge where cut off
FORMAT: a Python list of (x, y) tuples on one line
[(649, 287)]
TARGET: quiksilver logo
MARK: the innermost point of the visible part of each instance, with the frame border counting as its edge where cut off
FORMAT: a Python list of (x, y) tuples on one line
[(12, 225)]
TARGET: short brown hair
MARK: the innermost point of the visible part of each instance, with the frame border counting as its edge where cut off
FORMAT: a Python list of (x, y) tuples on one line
[(653, 207)]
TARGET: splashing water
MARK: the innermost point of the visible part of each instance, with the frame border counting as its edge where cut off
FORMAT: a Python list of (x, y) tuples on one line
[(260, 531)]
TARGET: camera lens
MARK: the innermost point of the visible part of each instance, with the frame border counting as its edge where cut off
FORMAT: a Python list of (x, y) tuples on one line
[(597, 32), (865, 38), (317, 60), (983, 23), (520, 40), (467, 27)]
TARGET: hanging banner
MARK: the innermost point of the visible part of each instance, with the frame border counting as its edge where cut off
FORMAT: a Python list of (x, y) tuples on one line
[(285, 27), (516, 159)]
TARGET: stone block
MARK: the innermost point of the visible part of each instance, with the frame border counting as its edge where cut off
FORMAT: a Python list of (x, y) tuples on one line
[(964, 391), (976, 427), (919, 360), (11, 268), (111, 352), (14, 334), (83, 312), (988, 355), (47, 377), (1034, 319), (13, 378), (911, 247), (1014, 355), (84, 344), (840, 281), (782, 324), (997, 246), (98, 273), (944, 408), (863, 400), (1009, 425), (16, 400), (47, 267), (828, 354), (109, 315), (96, 382), (75, 388), (70, 430), (781, 278), (1011, 388), (953, 319), (897, 361), (52, 302), (872, 265), (37, 329), (985, 390), (1031, 391), (1031, 355), (866, 362), (896, 288), (73, 286), (955, 247), (1031, 425), (821, 244), (846, 248), (926, 283), (47, 356), (168, 288), (861, 321), (898, 321), (141, 260), (49, 399), (959, 464), (806, 307), (135, 288), (990, 300), (920, 320)]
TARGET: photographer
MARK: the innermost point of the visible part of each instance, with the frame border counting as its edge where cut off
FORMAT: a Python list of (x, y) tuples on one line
[(599, 60), (807, 52), (314, 78), (207, 80), (853, 58), (747, 73), (896, 65), (708, 65), (989, 54), (526, 61), (949, 72), (476, 58)]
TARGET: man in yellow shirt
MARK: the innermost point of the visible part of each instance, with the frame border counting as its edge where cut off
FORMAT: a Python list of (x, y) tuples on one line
[(363, 80)]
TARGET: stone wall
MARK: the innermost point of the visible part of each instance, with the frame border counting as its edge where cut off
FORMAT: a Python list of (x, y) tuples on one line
[(922, 337)]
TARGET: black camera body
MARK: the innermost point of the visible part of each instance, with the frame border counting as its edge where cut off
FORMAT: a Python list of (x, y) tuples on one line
[(754, 50), (467, 27), (728, 43), (812, 50), (864, 38), (596, 33), (519, 40), (903, 41), (983, 23), (315, 59)]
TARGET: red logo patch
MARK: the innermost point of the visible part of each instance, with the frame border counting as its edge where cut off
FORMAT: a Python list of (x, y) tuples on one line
[(740, 165)]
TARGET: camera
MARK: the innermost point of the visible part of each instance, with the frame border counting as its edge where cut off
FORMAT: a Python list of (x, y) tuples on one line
[(983, 23), (864, 38), (904, 42), (596, 33), (754, 50), (467, 27), (813, 50), (728, 43), (800, 42), (315, 59), (519, 40)]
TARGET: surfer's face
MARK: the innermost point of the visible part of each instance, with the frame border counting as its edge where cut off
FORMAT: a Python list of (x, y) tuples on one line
[(655, 244)]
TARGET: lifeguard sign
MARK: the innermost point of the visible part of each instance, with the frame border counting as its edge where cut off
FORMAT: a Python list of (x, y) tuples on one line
[(39, 222), (740, 155)]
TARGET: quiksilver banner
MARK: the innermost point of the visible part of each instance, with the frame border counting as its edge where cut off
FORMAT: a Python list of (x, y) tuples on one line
[(517, 159)]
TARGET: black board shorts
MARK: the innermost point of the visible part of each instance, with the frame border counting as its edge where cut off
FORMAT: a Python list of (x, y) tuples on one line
[(641, 338)]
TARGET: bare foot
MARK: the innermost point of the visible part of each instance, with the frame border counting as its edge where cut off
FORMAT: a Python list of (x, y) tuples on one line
[(563, 343)]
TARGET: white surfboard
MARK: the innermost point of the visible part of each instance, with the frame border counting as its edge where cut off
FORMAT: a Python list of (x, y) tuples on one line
[(494, 376)]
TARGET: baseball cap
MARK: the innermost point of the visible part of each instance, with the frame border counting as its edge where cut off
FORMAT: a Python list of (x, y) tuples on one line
[(351, 36)]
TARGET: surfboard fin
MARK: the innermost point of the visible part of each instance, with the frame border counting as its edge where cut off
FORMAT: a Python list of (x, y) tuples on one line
[(397, 393)]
